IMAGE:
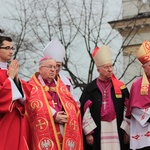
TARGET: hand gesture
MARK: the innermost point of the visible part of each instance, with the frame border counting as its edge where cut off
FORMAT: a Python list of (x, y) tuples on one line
[(13, 69), (61, 117), (90, 139)]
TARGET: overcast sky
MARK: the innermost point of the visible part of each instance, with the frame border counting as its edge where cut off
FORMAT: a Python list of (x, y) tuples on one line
[(113, 6)]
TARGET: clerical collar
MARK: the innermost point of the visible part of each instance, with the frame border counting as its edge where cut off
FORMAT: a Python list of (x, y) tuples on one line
[(42, 81), (108, 81), (47, 82), (3, 65)]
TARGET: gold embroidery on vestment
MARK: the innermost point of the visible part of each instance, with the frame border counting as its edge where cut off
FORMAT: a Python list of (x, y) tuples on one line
[(70, 106), (73, 124), (41, 124), (71, 144), (45, 143), (35, 104)]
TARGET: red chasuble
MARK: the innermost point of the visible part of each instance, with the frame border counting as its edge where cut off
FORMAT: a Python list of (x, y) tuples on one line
[(43, 127), (13, 127)]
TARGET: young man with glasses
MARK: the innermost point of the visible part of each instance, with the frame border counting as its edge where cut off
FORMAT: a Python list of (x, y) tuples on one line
[(102, 106), (13, 93)]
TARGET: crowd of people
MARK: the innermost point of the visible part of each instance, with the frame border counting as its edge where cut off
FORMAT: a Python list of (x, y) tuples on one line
[(45, 114)]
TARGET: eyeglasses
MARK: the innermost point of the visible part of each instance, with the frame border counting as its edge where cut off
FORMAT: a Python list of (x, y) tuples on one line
[(50, 67), (8, 48)]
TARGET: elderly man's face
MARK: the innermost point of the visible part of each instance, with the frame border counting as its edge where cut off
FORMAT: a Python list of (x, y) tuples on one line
[(48, 69), (105, 71), (146, 68)]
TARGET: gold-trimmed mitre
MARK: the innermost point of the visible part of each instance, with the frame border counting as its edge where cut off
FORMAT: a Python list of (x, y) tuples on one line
[(143, 55), (102, 55)]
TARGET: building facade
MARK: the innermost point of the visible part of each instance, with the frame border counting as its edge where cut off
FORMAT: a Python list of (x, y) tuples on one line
[(134, 28)]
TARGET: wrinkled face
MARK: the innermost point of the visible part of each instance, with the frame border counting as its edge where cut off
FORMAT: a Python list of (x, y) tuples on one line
[(58, 67), (48, 69), (6, 51), (105, 72), (146, 68)]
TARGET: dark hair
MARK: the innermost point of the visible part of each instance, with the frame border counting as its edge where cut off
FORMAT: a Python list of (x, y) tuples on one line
[(4, 38), (1, 31)]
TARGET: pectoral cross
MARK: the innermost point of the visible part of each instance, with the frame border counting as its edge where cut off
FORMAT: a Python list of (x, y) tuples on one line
[(104, 103), (104, 93), (54, 103)]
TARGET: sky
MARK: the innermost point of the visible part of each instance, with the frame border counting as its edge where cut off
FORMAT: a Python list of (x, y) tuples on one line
[(114, 8)]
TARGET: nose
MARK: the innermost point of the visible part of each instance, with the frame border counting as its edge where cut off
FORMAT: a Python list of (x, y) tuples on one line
[(53, 68), (11, 51), (109, 67)]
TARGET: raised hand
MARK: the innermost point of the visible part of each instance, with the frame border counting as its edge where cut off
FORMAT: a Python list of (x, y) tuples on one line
[(13, 69)]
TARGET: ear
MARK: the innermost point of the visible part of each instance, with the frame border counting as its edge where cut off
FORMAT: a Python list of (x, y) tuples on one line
[(39, 69), (143, 66), (98, 69)]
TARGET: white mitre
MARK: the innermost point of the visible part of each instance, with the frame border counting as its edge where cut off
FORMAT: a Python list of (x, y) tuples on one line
[(55, 50)]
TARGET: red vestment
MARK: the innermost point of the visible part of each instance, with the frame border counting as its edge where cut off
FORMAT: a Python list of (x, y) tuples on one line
[(13, 131), (43, 127)]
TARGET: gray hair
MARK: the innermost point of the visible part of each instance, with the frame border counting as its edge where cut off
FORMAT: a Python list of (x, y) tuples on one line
[(43, 60)]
